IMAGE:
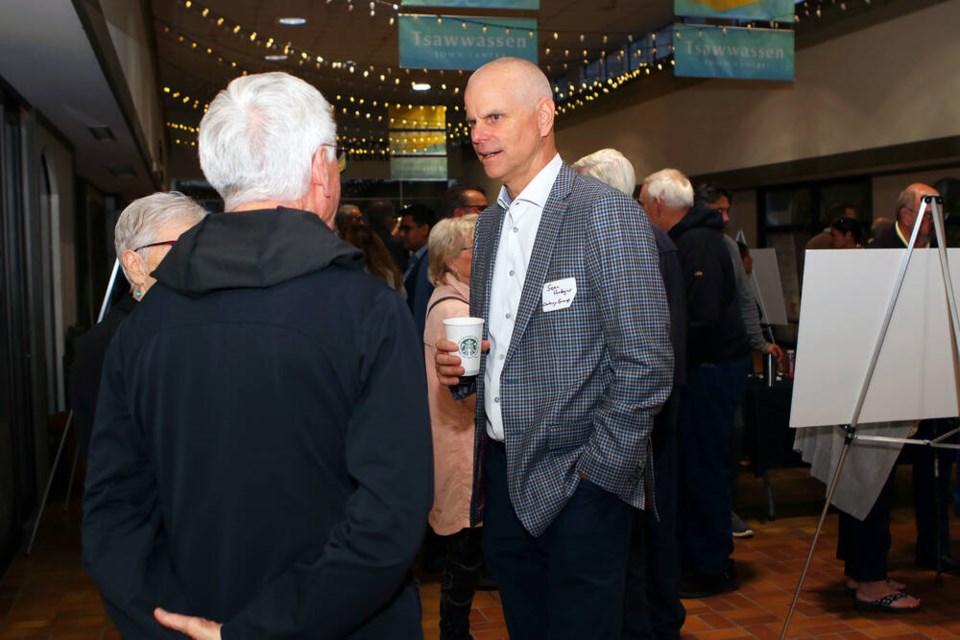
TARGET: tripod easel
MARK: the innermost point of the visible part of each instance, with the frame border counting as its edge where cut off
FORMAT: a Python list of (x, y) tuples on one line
[(850, 430), (66, 431)]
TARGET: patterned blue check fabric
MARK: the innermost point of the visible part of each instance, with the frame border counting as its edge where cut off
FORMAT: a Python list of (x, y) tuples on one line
[(581, 383)]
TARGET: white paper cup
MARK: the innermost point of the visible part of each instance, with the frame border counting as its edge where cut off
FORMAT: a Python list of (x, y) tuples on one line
[(467, 333)]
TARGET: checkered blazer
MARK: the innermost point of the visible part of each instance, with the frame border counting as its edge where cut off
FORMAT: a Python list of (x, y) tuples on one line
[(580, 385)]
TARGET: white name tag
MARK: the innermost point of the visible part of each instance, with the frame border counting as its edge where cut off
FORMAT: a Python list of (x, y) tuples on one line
[(559, 294)]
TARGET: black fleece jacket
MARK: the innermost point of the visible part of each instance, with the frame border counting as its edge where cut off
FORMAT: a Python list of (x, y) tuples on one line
[(715, 331), (262, 452)]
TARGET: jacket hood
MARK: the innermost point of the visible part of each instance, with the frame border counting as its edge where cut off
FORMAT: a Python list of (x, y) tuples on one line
[(252, 249), (698, 217)]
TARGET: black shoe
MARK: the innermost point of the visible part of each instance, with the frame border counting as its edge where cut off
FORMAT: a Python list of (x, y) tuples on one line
[(704, 586), (948, 564)]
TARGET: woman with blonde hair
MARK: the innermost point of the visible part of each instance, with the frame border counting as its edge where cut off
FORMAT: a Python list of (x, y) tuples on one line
[(450, 253)]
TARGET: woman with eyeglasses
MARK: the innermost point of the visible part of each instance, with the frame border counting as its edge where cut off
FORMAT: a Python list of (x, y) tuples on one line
[(450, 251), (145, 231)]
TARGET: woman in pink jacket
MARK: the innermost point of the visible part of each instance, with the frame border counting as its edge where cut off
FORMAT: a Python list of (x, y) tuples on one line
[(450, 251)]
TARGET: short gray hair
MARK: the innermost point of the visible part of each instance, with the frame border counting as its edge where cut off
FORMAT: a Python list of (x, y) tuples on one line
[(610, 167), (672, 187), (448, 238), (259, 136), (143, 219)]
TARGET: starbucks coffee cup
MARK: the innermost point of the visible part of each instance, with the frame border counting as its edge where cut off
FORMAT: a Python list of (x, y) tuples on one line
[(467, 333)]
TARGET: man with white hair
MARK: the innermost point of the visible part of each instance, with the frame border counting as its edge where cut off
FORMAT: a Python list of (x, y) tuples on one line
[(565, 275), (717, 355), (250, 467), (652, 608)]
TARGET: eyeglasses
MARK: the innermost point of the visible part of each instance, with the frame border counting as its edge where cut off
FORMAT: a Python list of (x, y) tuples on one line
[(341, 155), (168, 243)]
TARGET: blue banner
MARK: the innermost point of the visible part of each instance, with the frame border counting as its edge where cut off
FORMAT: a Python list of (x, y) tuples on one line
[(735, 9), (478, 4), (725, 52), (461, 42)]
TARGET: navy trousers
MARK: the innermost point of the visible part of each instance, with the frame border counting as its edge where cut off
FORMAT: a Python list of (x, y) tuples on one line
[(653, 609), (705, 427), (567, 583)]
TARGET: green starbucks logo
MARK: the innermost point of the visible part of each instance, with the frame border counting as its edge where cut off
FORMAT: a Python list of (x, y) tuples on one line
[(469, 347)]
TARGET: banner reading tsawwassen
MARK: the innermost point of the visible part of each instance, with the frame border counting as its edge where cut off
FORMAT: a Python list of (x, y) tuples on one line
[(462, 42), (735, 9), (725, 52)]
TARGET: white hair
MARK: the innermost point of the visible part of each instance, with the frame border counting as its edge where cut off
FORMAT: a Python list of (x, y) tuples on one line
[(672, 187), (144, 220), (610, 167), (258, 138)]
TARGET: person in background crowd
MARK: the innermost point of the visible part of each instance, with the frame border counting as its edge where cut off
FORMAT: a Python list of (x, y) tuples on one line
[(565, 276), (652, 607), (378, 261), (145, 231), (462, 200), (452, 422), (846, 233), (824, 239), (718, 354), (416, 221), (251, 472), (382, 218), (346, 215), (712, 196)]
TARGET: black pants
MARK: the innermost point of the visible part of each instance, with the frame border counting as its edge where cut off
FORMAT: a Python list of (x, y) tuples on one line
[(864, 545), (461, 572), (652, 608), (931, 497), (567, 583)]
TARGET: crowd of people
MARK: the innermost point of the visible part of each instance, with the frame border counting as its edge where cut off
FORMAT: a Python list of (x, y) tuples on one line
[(282, 419)]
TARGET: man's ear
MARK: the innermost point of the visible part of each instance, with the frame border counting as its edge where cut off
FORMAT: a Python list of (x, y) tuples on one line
[(318, 168), (546, 110)]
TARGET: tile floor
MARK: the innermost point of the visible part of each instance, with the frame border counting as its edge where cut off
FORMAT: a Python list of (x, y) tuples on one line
[(48, 596)]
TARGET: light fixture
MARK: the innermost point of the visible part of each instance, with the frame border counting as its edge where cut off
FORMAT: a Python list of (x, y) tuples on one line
[(421, 86), (292, 21), (275, 57)]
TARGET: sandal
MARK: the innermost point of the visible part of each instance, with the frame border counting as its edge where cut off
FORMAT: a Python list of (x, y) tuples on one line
[(883, 605)]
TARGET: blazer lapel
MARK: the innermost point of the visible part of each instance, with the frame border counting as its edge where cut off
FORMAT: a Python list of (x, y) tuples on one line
[(554, 211)]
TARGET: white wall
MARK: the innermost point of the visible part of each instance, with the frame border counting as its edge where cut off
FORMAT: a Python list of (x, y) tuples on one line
[(891, 83)]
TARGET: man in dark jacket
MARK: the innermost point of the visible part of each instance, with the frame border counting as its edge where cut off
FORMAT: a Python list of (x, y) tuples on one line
[(717, 356), (250, 465)]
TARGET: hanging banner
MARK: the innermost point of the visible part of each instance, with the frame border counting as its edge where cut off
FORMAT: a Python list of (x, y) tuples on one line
[(735, 9), (478, 4), (725, 52), (462, 42)]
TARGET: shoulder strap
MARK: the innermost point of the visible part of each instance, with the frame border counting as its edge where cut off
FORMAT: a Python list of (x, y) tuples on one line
[(436, 302)]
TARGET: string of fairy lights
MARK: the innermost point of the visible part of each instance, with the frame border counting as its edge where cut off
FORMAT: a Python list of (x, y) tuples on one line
[(363, 123)]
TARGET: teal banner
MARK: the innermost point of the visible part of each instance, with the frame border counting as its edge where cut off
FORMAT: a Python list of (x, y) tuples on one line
[(476, 4), (726, 52), (461, 42), (735, 9)]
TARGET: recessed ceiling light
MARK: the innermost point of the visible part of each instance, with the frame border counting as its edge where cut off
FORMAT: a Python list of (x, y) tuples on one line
[(421, 86), (292, 21), (275, 57)]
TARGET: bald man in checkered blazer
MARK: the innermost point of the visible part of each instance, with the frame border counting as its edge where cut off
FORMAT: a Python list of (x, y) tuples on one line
[(565, 273)]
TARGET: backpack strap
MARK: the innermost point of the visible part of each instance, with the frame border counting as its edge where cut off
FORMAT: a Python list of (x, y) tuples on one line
[(443, 299)]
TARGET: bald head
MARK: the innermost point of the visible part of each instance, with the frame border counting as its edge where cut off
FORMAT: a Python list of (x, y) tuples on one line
[(908, 206), (528, 82)]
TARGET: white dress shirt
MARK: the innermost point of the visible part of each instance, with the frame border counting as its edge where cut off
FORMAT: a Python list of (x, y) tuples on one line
[(520, 224)]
